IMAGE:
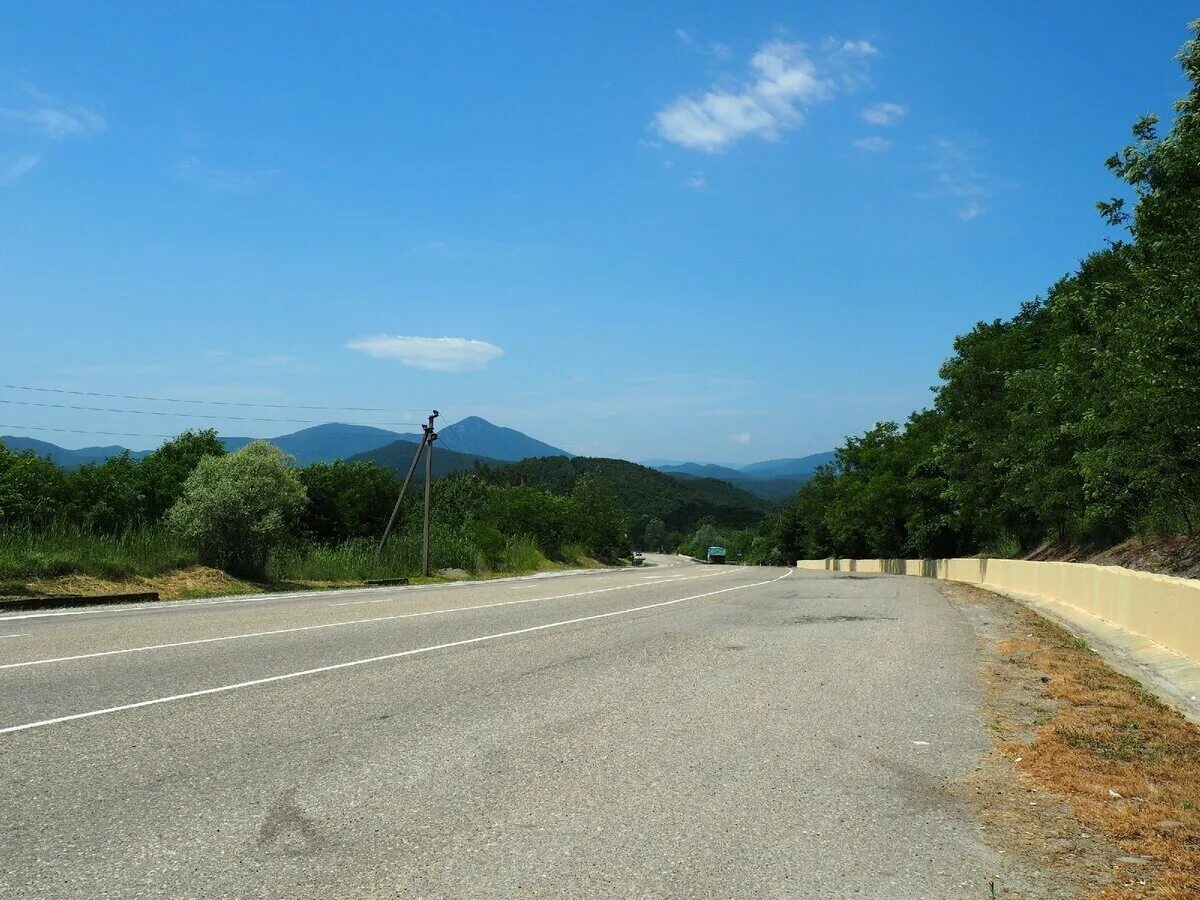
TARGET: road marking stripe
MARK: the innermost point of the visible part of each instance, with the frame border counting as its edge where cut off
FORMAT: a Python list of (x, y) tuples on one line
[(3, 636), (253, 634), (175, 605), (174, 698)]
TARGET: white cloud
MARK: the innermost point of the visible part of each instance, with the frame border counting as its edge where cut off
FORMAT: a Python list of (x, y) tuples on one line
[(873, 144), (971, 211), (216, 178), (696, 182), (859, 48), (742, 438), (444, 354), (12, 171), (43, 115), (885, 113), (783, 81)]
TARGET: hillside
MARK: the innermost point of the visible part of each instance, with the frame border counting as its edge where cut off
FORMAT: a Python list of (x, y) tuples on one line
[(642, 492), (766, 488), (479, 437), (324, 443), (61, 456), (398, 455), (792, 467)]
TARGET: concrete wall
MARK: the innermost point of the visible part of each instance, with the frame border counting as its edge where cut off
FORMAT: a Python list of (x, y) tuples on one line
[(1159, 607)]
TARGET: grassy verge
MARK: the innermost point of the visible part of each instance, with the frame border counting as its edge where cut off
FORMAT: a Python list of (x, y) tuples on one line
[(69, 560), (1126, 765)]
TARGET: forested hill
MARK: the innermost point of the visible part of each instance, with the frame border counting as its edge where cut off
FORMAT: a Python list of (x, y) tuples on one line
[(1076, 422), (643, 493)]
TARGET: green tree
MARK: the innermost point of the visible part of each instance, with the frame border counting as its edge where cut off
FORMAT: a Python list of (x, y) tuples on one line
[(31, 489), (163, 472), (347, 499), (655, 535), (237, 508)]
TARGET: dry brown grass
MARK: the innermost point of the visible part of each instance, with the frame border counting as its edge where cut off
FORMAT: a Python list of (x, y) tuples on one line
[(194, 581), (1127, 764)]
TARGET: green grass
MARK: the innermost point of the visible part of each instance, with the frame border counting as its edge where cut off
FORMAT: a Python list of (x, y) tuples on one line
[(68, 550), (27, 555)]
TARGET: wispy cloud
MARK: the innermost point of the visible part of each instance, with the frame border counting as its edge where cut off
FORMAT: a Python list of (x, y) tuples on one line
[(742, 437), (696, 181), (444, 354), (688, 39), (13, 170), (884, 113), (971, 211), (217, 178), (784, 80), (958, 176), (36, 112), (873, 144)]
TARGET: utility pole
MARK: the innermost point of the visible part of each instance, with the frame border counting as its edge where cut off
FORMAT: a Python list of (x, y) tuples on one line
[(430, 437), (412, 467)]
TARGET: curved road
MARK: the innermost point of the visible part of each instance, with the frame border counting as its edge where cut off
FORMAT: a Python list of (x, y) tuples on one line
[(679, 730)]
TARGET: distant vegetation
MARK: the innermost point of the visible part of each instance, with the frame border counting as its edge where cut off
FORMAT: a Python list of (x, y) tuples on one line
[(1076, 421), (254, 514)]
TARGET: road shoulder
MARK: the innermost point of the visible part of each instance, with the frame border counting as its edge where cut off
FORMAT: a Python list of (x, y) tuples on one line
[(1092, 781)]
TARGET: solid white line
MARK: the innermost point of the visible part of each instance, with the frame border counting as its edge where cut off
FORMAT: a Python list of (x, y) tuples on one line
[(3, 636), (253, 634), (374, 659), (175, 605)]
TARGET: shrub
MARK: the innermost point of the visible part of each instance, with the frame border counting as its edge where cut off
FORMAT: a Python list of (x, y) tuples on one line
[(237, 508)]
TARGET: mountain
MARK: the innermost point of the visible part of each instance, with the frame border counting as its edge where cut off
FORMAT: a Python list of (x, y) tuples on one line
[(398, 455), (479, 437), (701, 470), (61, 456), (794, 467), (681, 502), (472, 436), (325, 443), (767, 488)]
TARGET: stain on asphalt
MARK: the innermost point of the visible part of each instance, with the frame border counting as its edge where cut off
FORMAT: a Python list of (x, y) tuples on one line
[(288, 829), (819, 620)]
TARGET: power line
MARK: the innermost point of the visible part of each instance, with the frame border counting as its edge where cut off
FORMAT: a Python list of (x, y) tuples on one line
[(80, 431), (24, 387), (189, 415)]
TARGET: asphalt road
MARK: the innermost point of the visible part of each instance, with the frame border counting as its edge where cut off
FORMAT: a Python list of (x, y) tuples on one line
[(680, 730)]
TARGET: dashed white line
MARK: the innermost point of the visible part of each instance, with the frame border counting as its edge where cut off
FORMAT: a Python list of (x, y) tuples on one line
[(298, 628), (175, 698)]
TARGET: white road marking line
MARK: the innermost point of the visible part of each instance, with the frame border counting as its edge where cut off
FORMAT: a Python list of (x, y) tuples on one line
[(175, 605), (253, 634), (3, 636), (579, 594), (174, 698)]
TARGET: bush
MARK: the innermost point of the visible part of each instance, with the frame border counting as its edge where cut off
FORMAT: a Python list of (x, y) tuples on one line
[(237, 508)]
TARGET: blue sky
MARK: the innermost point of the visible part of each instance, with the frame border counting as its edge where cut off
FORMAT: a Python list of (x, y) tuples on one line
[(716, 231)]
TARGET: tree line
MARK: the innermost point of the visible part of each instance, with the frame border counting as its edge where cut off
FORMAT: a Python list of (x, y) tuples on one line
[(237, 510), (1076, 421)]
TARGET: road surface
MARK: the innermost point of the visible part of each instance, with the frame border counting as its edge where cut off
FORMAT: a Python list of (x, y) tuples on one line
[(678, 730)]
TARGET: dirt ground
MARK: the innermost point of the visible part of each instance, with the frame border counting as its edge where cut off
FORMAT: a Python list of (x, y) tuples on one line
[(1093, 783), (1179, 556)]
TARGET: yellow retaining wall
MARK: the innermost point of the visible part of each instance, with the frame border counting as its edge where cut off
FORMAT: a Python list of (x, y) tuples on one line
[(1160, 607)]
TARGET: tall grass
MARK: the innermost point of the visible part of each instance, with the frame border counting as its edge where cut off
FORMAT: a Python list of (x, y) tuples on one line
[(27, 553), (66, 550)]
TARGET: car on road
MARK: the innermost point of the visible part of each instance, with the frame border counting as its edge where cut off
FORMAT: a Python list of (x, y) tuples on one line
[(638, 559), (716, 555)]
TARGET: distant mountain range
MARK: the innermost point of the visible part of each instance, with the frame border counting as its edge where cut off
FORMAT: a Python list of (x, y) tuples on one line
[(335, 440), (459, 447), (773, 479)]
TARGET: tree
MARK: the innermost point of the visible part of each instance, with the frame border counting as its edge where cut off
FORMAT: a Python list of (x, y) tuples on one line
[(162, 474), (238, 508), (655, 535), (347, 500), (31, 489)]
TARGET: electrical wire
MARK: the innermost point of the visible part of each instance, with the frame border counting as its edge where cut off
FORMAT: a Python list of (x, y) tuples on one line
[(24, 387), (188, 415)]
